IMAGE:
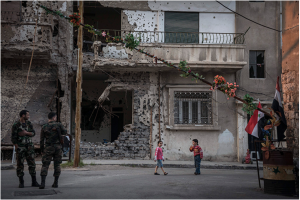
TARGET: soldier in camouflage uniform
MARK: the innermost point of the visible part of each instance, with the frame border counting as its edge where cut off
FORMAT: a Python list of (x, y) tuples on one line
[(51, 132), (22, 132)]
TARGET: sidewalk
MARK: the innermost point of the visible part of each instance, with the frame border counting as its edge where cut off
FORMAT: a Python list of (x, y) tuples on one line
[(167, 164)]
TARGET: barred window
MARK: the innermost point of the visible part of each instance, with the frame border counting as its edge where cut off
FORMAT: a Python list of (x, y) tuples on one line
[(192, 107)]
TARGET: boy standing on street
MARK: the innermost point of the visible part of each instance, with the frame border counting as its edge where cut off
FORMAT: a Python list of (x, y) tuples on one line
[(159, 158), (198, 155)]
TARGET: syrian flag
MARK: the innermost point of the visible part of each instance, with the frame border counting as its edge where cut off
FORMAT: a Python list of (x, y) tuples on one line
[(253, 127), (277, 107)]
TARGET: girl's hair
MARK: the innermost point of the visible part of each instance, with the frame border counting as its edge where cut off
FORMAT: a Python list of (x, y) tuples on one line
[(195, 140), (159, 141)]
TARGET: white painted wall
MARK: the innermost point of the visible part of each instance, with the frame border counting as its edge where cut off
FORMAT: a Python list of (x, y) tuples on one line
[(113, 51), (147, 21), (216, 23), (213, 18), (242, 140), (192, 6), (225, 143)]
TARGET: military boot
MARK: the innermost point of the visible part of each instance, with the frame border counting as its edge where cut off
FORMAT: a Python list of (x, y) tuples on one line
[(34, 183), (21, 182), (55, 184), (42, 186)]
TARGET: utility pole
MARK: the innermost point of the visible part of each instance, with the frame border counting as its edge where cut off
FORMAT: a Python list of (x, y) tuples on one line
[(78, 89)]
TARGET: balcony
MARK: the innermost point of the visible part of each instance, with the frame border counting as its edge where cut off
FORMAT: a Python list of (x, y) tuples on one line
[(205, 51), (17, 35)]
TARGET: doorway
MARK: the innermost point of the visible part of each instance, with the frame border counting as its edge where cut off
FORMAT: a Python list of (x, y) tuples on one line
[(117, 124)]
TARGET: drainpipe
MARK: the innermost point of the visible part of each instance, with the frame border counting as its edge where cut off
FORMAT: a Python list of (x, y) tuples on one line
[(157, 21), (150, 142), (159, 105)]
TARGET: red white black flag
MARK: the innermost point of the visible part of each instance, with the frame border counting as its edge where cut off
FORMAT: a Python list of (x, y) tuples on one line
[(277, 107), (253, 126)]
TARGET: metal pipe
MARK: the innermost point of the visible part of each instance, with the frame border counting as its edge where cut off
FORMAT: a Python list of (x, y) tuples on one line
[(159, 105), (257, 164), (150, 140)]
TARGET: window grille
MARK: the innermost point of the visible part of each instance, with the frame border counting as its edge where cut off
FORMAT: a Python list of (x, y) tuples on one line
[(192, 107)]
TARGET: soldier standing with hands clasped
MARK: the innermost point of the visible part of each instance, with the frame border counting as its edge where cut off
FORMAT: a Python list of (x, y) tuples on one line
[(51, 132), (22, 132)]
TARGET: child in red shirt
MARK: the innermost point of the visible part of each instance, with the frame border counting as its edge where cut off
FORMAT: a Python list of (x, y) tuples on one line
[(159, 157), (198, 155)]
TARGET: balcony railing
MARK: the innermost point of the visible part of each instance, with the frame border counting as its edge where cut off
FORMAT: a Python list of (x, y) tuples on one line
[(181, 37), (168, 37), (23, 17)]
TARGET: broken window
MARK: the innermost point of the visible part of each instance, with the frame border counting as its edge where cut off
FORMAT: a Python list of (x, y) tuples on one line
[(192, 107), (181, 27), (256, 64)]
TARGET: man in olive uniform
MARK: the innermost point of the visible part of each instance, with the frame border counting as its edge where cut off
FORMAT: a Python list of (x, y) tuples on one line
[(51, 132), (22, 132)]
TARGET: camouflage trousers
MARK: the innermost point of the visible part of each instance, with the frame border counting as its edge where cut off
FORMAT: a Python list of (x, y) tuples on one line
[(54, 151), (28, 154)]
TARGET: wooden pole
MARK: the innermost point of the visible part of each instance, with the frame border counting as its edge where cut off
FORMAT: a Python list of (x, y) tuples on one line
[(78, 90)]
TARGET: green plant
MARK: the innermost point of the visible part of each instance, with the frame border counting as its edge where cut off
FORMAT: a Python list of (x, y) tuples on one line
[(131, 43), (187, 71), (90, 29), (250, 107)]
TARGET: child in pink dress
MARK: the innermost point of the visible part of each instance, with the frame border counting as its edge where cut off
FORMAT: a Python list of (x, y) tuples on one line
[(159, 158)]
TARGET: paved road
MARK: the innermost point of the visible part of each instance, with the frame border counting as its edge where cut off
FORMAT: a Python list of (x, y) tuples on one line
[(118, 182)]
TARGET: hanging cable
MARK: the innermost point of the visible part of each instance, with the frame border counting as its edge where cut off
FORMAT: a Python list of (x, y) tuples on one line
[(248, 18)]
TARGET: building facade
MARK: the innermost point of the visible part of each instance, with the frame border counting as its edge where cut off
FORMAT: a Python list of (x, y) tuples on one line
[(290, 78), (149, 101)]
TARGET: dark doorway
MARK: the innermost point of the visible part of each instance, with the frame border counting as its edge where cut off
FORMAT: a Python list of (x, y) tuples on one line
[(117, 124)]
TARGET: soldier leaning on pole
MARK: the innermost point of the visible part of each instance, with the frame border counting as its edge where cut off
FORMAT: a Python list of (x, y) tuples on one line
[(51, 148), (22, 132)]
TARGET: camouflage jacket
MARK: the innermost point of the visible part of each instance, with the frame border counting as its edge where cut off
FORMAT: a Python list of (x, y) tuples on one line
[(50, 133), (22, 141)]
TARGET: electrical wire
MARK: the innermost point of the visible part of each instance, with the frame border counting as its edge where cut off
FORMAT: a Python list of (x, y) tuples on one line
[(248, 18), (291, 28)]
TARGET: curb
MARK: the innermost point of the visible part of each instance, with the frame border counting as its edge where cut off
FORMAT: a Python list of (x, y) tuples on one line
[(7, 167), (192, 166)]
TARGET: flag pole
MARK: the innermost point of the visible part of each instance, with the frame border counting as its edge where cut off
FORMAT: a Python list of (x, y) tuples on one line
[(257, 164)]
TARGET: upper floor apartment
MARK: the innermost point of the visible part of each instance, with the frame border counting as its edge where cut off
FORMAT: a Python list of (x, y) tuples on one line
[(24, 25), (203, 33)]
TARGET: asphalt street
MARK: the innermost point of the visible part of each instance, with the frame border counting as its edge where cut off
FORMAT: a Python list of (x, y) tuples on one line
[(118, 182)]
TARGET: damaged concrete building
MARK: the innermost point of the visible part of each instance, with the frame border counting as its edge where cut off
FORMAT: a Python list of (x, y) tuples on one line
[(146, 101)]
